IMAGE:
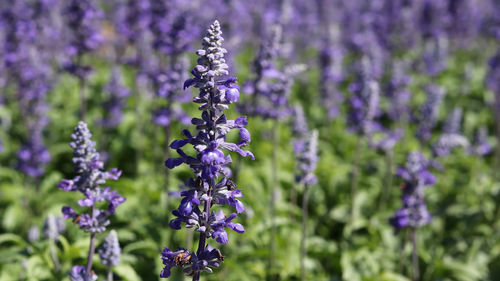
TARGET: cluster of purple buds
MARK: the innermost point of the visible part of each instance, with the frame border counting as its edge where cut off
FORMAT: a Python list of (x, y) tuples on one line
[(451, 136), (416, 178), (137, 19), (83, 19), (115, 102), (364, 101), (211, 184), (166, 85), (307, 159), (270, 88), (110, 251), (480, 145), (330, 63), (429, 112), (396, 91), (88, 181)]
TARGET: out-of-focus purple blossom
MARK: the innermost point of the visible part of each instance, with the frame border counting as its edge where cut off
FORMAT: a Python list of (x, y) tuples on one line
[(136, 19), (435, 55), (416, 178), (388, 139), (481, 145), (451, 136), (211, 184), (83, 20), (493, 80), (78, 273), (115, 102), (397, 93), (364, 101), (110, 251), (168, 88), (307, 159), (331, 57), (269, 90), (429, 111), (34, 234), (299, 128), (88, 181), (52, 227), (434, 19)]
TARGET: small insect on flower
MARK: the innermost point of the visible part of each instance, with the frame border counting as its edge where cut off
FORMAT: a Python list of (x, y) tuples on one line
[(182, 258), (220, 257)]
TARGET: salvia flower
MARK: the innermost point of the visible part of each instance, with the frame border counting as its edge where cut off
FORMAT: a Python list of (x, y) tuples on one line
[(269, 90), (451, 136), (416, 178), (83, 19), (110, 250), (115, 101), (330, 62), (480, 146), (364, 101), (307, 159), (211, 184), (90, 176), (52, 227), (429, 111)]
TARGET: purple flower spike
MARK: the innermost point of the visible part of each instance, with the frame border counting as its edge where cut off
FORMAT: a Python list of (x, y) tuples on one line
[(88, 181), (211, 185), (416, 178)]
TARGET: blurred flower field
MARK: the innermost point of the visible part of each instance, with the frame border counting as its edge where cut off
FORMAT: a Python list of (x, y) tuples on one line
[(263, 140)]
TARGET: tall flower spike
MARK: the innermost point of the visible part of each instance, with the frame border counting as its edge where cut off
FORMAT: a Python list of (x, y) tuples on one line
[(416, 178), (89, 179), (481, 145), (110, 250), (307, 159), (211, 184), (269, 90), (429, 112), (451, 136)]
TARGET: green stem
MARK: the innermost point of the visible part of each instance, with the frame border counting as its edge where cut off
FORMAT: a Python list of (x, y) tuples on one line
[(355, 173), (274, 183), (88, 272), (303, 251), (414, 255), (386, 188)]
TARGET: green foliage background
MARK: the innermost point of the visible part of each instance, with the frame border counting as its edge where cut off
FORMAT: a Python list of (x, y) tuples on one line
[(462, 243)]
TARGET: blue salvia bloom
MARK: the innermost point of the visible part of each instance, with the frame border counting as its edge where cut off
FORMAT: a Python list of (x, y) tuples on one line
[(78, 273), (211, 184), (110, 250), (166, 85), (52, 227), (269, 90), (416, 178), (307, 159), (136, 20), (429, 111), (493, 79), (300, 131), (82, 18), (435, 55), (90, 176), (364, 101), (396, 91), (115, 101), (330, 62), (451, 136), (481, 146)]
